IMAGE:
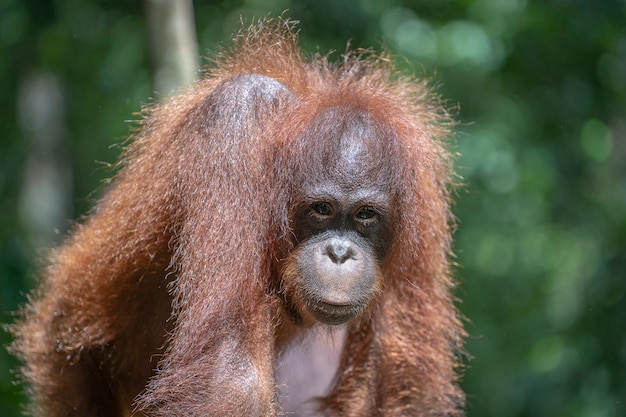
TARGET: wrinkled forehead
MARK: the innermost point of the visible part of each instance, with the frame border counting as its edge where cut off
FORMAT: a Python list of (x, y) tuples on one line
[(356, 148), (349, 150)]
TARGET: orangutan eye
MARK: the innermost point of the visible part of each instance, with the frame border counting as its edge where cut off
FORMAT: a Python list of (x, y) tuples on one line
[(367, 216), (321, 210)]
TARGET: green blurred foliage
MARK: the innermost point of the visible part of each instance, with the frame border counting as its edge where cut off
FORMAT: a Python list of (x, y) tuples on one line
[(540, 90)]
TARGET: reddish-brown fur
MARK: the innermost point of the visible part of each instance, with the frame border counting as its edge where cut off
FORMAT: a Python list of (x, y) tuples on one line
[(169, 293)]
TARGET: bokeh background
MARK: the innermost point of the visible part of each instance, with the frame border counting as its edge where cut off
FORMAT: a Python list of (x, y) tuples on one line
[(539, 87)]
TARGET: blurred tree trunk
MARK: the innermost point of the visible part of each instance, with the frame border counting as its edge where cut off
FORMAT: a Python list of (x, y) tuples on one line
[(173, 45), (46, 191)]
